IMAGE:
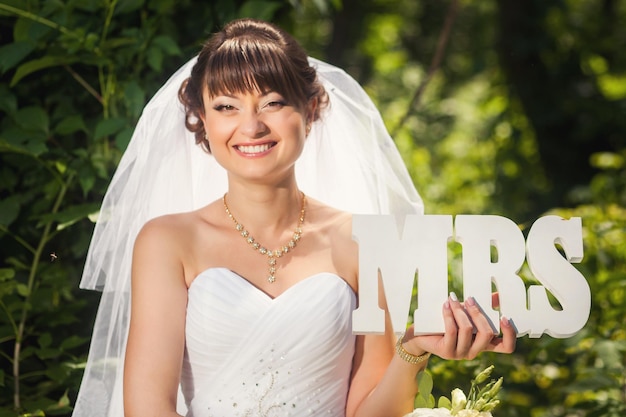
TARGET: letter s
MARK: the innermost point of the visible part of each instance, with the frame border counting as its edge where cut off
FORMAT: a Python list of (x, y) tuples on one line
[(558, 276)]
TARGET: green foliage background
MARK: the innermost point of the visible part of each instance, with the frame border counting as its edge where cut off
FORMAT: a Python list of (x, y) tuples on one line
[(524, 115)]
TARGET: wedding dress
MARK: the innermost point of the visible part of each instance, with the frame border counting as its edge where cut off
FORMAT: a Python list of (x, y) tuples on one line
[(250, 355), (349, 162)]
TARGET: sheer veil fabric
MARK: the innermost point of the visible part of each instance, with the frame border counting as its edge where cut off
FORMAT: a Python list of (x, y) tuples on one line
[(349, 162)]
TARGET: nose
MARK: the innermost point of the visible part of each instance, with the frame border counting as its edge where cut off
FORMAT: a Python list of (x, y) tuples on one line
[(253, 125)]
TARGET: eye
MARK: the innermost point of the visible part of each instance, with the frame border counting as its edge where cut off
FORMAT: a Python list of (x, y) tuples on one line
[(277, 103), (223, 107)]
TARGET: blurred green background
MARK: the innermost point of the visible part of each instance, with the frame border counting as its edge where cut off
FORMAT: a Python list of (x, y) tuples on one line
[(509, 107)]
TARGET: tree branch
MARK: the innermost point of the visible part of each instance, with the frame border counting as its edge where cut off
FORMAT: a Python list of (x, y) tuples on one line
[(84, 83), (442, 43)]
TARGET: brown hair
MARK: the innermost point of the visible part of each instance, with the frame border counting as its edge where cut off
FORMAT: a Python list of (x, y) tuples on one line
[(248, 55)]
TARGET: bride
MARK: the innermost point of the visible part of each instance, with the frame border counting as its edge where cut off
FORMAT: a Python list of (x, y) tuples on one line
[(228, 269)]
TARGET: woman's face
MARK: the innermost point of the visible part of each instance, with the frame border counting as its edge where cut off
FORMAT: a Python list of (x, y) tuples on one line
[(256, 136)]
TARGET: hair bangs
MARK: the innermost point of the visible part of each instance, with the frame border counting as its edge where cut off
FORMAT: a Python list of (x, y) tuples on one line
[(245, 66)]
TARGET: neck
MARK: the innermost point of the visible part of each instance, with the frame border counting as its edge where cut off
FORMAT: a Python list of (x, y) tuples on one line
[(266, 211)]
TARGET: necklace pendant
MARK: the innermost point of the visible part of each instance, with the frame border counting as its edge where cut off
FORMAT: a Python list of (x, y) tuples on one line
[(272, 255)]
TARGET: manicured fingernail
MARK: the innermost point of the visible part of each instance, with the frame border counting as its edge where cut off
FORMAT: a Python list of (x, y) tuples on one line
[(470, 301), (453, 296), (446, 305), (504, 321)]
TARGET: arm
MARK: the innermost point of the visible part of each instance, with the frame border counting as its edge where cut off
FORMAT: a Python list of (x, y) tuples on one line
[(383, 384), (154, 352)]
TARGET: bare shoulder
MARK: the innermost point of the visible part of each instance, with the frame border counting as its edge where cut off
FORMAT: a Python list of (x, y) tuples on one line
[(165, 233), (172, 241), (333, 228), (335, 224)]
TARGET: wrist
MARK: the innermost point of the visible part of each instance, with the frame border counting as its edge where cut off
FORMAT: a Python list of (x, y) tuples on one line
[(410, 357)]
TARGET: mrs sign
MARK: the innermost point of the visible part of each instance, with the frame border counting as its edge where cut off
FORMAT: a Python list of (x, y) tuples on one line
[(419, 248)]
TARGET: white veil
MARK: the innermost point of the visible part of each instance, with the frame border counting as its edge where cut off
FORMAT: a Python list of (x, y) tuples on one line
[(349, 162)]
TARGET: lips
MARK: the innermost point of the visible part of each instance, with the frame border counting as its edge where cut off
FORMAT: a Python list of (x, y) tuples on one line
[(255, 149)]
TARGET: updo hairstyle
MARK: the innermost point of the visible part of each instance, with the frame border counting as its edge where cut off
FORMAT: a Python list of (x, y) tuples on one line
[(250, 55)]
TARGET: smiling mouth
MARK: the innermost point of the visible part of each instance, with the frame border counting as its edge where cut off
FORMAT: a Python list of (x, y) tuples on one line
[(253, 149)]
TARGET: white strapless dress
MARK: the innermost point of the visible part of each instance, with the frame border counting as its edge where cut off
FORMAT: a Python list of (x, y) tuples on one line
[(248, 354)]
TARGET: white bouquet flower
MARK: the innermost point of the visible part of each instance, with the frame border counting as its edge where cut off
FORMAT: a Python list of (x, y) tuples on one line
[(478, 403)]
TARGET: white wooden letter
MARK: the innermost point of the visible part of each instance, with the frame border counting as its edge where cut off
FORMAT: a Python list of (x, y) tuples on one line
[(558, 276), (478, 234), (421, 248)]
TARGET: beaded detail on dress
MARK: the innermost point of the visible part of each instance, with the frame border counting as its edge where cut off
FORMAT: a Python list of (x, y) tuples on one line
[(248, 354)]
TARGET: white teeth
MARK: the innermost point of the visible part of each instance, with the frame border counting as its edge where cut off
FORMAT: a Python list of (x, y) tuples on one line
[(254, 148)]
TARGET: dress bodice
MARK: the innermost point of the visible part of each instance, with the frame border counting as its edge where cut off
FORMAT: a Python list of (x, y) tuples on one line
[(248, 354)]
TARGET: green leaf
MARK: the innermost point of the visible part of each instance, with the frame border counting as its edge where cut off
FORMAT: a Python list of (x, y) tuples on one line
[(17, 140), (22, 290), (6, 274), (135, 98), (44, 340), (72, 342), (424, 402), (420, 402), (9, 209), (87, 179), (71, 124), (7, 288), (107, 127), (425, 383), (39, 64), (33, 118), (424, 398), (13, 53), (70, 215), (48, 353), (444, 402), (128, 6), (18, 264), (60, 166), (167, 45), (123, 138), (155, 58), (8, 102), (27, 30)]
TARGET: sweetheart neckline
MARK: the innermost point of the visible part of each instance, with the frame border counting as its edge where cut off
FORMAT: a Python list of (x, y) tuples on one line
[(245, 281)]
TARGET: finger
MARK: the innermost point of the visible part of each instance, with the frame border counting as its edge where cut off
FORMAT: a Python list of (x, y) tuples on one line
[(509, 336), (478, 317), (506, 343), (465, 332), (448, 342), (484, 329)]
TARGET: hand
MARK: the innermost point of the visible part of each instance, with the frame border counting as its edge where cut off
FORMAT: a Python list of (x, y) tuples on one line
[(467, 333)]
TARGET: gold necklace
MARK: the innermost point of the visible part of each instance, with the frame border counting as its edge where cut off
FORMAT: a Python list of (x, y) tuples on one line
[(272, 255)]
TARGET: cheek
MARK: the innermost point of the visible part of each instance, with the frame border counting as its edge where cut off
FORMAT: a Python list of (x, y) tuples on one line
[(296, 125), (218, 130)]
